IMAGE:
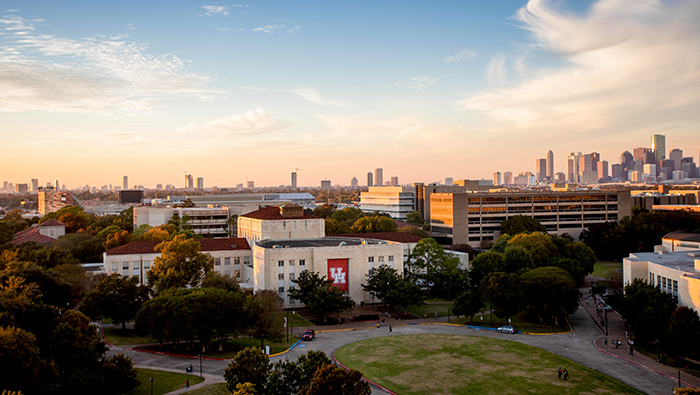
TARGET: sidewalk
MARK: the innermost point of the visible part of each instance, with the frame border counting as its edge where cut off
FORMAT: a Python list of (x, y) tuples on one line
[(617, 331), (209, 379)]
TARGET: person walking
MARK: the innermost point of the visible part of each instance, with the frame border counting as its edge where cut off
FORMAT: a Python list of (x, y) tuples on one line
[(389, 328), (187, 385), (566, 374), (606, 342), (378, 325), (559, 372)]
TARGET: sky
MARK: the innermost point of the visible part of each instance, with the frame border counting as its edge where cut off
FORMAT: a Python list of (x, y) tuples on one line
[(91, 91)]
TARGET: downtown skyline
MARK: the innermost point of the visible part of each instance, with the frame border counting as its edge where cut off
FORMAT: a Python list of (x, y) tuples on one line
[(252, 91)]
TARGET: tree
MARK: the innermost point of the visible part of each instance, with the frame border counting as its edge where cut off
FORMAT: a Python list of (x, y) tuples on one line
[(180, 264), (540, 246), (549, 291), (232, 223), (426, 260), (521, 224), (415, 218), (117, 239), (185, 204), (117, 297), (468, 303), (319, 295), (289, 377), (517, 258), (118, 375), (54, 290), (505, 292), (324, 211), (332, 379), (647, 310), (393, 290), (335, 227), (684, 331), (23, 366), (248, 366), (583, 254), (414, 231), (220, 281), (485, 264), (264, 308), (374, 224), (244, 389), (7, 232)]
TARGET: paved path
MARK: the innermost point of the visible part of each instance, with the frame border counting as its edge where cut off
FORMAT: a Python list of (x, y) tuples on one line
[(577, 346)]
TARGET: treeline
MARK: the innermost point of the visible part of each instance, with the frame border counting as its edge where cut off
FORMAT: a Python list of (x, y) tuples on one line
[(354, 220), (613, 241)]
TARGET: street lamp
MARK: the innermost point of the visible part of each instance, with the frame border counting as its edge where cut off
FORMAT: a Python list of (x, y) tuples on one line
[(151, 385), (200, 365)]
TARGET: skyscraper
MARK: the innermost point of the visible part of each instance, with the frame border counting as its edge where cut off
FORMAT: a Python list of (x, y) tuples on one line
[(676, 156), (379, 176), (449, 181), (497, 178), (658, 146), (189, 181), (370, 181), (35, 185), (200, 182), (395, 181), (550, 165), (55, 185), (572, 169), (508, 178), (603, 169), (125, 183), (353, 182), (540, 169), (294, 179), (325, 184), (627, 160)]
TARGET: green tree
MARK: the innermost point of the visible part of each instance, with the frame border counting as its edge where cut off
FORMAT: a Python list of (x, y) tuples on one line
[(220, 281), (374, 224), (549, 291), (485, 264), (393, 290), (517, 258), (505, 292), (468, 303), (248, 366), (265, 306), (7, 232), (335, 227), (583, 254), (521, 224), (332, 379), (319, 295), (118, 375), (54, 290), (288, 377), (117, 239), (117, 297), (647, 310), (232, 223), (180, 264), (540, 246), (415, 218), (324, 211), (683, 332), (244, 389), (23, 366)]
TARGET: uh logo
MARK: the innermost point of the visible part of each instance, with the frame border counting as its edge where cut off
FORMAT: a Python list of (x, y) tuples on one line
[(338, 275)]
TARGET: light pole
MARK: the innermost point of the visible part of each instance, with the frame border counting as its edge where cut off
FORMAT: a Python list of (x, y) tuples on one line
[(151, 385), (286, 325), (200, 365)]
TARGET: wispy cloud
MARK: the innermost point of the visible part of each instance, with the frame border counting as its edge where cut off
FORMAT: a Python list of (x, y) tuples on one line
[(464, 55), (40, 72), (630, 65), (218, 10), (252, 122), (313, 95), (418, 82), (268, 29), (497, 74), (108, 139), (131, 26)]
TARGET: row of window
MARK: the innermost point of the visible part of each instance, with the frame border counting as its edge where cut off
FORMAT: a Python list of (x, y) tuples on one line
[(666, 285), (136, 266), (302, 262), (236, 261)]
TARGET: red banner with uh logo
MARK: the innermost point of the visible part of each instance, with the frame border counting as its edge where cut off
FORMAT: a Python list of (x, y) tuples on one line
[(338, 272)]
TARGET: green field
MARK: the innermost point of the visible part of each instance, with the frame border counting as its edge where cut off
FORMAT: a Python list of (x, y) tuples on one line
[(214, 389), (120, 337), (517, 321), (163, 382), (457, 364), (231, 347), (604, 268)]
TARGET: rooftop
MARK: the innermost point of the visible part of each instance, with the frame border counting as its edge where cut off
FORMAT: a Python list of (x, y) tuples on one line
[(207, 245), (399, 237), (683, 236), (683, 261), (328, 241), (273, 213)]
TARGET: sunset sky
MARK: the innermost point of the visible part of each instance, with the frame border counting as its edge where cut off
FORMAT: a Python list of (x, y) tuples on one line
[(91, 91)]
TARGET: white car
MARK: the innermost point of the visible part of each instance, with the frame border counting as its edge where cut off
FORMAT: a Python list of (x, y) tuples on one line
[(506, 329)]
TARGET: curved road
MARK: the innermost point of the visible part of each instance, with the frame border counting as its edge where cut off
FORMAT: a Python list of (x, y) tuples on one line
[(576, 346)]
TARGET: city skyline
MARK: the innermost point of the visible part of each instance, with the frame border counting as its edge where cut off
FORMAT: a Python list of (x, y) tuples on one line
[(92, 93)]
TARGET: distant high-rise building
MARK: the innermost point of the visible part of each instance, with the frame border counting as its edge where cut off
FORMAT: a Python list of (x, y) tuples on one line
[(55, 185), (626, 160), (35, 185), (449, 181), (200, 182), (617, 171), (125, 183), (560, 177), (159, 186), (550, 165), (353, 182), (603, 169), (294, 179), (508, 178), (250, 184), (395, 181), (370, 181), (189, 181), (572, 169), (379, 176), (21, 188), (497, 178), (676, 155), (595, 158), (658, 146), (325, 184), (541, 169)]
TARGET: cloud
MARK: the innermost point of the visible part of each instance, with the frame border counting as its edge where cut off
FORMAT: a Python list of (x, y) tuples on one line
[(131, 26), (218, 10), (40, 72), (313, 95), (252, 122), (108, 138), (626, 65), (418, 82), (464, 55), (268, 29)]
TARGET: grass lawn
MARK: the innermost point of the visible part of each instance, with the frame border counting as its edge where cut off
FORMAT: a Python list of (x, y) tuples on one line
[(519, 322), (429, 310), (214, 389), (127, 337), (231, 347), (296, 319), (163, 382), (458, 364), (650, 351), (603, 268)]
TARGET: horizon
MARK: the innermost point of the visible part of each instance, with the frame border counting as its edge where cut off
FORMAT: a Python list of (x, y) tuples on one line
[(251, 91)]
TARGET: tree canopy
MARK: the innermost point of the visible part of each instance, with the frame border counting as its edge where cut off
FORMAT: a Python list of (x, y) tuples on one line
[(180, 264), (521, 224)]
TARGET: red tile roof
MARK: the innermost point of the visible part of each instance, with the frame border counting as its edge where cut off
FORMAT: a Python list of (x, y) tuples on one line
[(207, 245), (273, 213), (31, 234), (52, 222), (399, 237), (401, 224)]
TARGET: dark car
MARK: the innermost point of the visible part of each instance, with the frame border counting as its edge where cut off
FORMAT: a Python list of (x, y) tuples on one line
[(309, 335)]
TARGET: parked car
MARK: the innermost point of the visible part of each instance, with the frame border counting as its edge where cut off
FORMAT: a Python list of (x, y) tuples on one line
[(309, 335), (506, 329)]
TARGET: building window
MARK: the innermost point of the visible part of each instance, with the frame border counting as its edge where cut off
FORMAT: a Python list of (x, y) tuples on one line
[(146, 265), (137, 265), (125, 265), (115, 267), (246, 260), (391, 259), (291, 262), (217, 261), (280, 263), (227, 261), (651, 278), (227, 272), (302, 262), (380, 259), (370, 259), (281, 290), (237, 273), (291, 276), (280, 276), (292, 301), (237, 260)]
